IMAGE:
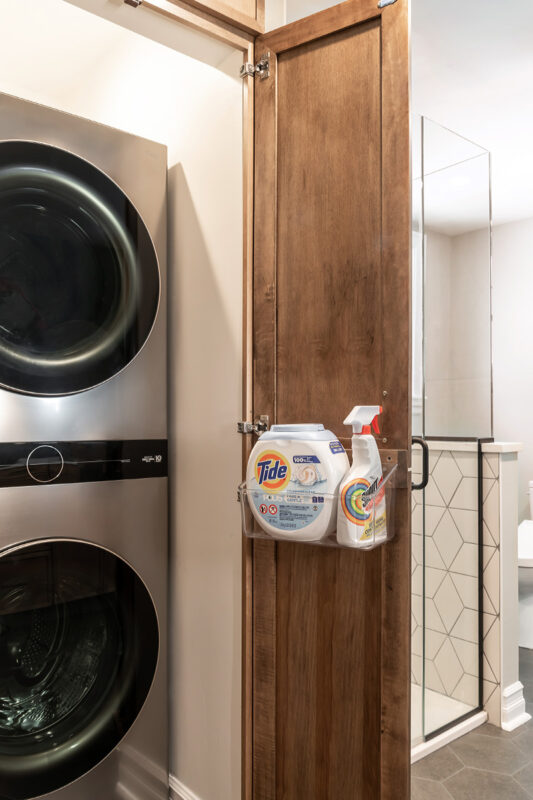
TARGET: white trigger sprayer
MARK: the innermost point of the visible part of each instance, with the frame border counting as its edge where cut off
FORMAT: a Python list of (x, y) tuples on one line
[(361, 518)]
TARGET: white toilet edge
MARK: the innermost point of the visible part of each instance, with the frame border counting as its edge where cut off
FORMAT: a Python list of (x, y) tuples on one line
[(525, 543)]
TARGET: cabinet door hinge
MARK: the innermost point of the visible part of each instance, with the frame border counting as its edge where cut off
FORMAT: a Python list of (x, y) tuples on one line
[(260, 426), (262, 68), (247, 70)]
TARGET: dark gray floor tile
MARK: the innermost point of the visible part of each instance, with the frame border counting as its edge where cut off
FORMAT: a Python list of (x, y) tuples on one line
[(492, 730), (437, 766), (525, 778), (422, 789), (488, 752), (528, 689), (524, 740), (474, 784), (499, 733)]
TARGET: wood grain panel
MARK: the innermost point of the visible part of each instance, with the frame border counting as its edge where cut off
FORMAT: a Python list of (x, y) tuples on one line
[(264, 670), (327, 716), (264, 402), (396, 299), (329, 346), (244, 15), (328, 357), (331, 329)]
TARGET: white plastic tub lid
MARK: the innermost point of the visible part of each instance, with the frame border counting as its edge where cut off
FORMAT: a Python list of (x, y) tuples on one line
[(311, 432), (525, 543)]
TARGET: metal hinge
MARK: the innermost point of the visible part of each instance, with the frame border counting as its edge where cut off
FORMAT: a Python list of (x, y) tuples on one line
[(383, 3), (134, 3), (247, 70), (254, 427), (262, 68)]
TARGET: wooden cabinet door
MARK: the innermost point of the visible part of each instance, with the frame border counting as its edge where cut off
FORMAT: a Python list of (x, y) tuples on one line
[(330, 644)]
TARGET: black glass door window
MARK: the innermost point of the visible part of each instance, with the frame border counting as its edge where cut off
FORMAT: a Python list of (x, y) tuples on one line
[(78, 651), (79, 279)]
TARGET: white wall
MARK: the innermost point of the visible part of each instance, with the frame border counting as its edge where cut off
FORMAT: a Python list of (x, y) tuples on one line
[(457, 334), (512, 278), (88, 66), (437, 293), (470, 352)]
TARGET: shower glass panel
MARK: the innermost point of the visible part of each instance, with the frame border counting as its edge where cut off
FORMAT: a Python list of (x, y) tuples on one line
[(452, 410), (457, 314)]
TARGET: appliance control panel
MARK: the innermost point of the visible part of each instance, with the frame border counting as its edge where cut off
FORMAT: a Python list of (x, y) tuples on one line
[(45, 463), (34, 463)]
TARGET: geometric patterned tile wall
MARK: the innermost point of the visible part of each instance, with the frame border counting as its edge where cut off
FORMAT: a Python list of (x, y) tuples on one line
[(448, 587)]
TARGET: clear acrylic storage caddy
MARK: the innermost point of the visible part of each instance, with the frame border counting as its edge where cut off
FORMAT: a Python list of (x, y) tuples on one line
[(374, 509)]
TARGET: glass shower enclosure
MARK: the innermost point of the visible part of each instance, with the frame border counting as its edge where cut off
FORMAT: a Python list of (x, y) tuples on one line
[(452, 413)]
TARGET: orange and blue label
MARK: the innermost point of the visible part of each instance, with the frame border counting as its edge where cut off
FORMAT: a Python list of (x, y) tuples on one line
[(272, 471)]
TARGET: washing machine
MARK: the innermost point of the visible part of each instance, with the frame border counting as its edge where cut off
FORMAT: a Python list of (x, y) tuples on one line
[(83, 460), (83, 616), (82, 279)]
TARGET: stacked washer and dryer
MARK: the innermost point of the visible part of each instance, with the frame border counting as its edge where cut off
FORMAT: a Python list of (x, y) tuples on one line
[(83, 459)]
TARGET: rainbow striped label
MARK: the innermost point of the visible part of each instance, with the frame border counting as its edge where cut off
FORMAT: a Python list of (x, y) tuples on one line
[(360, 510)]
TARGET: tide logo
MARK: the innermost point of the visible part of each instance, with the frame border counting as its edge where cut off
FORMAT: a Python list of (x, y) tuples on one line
[(272, 471)]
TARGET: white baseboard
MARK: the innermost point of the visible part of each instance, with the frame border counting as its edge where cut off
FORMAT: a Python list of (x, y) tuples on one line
[(514, 711), (178, 790), (425, 748)]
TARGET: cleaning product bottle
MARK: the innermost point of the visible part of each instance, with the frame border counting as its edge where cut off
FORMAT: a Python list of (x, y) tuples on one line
[(292, 481), (361, 517)]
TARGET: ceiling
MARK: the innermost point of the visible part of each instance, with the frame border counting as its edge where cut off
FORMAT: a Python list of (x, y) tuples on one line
[(472, 71)]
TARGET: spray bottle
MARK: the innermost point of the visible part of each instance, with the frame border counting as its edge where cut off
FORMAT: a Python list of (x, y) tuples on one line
[(361, 518)]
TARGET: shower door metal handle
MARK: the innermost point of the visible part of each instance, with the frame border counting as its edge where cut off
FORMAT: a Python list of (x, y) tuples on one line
[(425, 463)]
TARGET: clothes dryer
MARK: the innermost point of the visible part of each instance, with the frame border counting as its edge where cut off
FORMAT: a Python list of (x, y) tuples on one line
[(83, 459), (82, 278)]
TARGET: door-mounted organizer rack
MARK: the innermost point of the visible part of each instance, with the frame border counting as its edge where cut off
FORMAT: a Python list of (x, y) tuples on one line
[(304, 509)]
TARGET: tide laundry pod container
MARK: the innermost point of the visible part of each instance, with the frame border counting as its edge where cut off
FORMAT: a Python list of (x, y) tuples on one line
[(292, 481)]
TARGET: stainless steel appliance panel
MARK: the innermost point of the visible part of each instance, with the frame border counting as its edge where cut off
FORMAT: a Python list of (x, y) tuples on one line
[(128, 518), (132, 404)]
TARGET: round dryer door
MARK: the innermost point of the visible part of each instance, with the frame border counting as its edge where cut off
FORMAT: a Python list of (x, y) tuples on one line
[(79, 279), (78, 652)]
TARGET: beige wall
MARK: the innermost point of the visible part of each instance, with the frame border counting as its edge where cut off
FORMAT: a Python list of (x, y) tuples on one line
[(88, 66), (206, 306)]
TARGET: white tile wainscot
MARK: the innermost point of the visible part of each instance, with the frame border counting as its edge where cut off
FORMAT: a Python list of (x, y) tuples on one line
[(451, 572), (509, 707)]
